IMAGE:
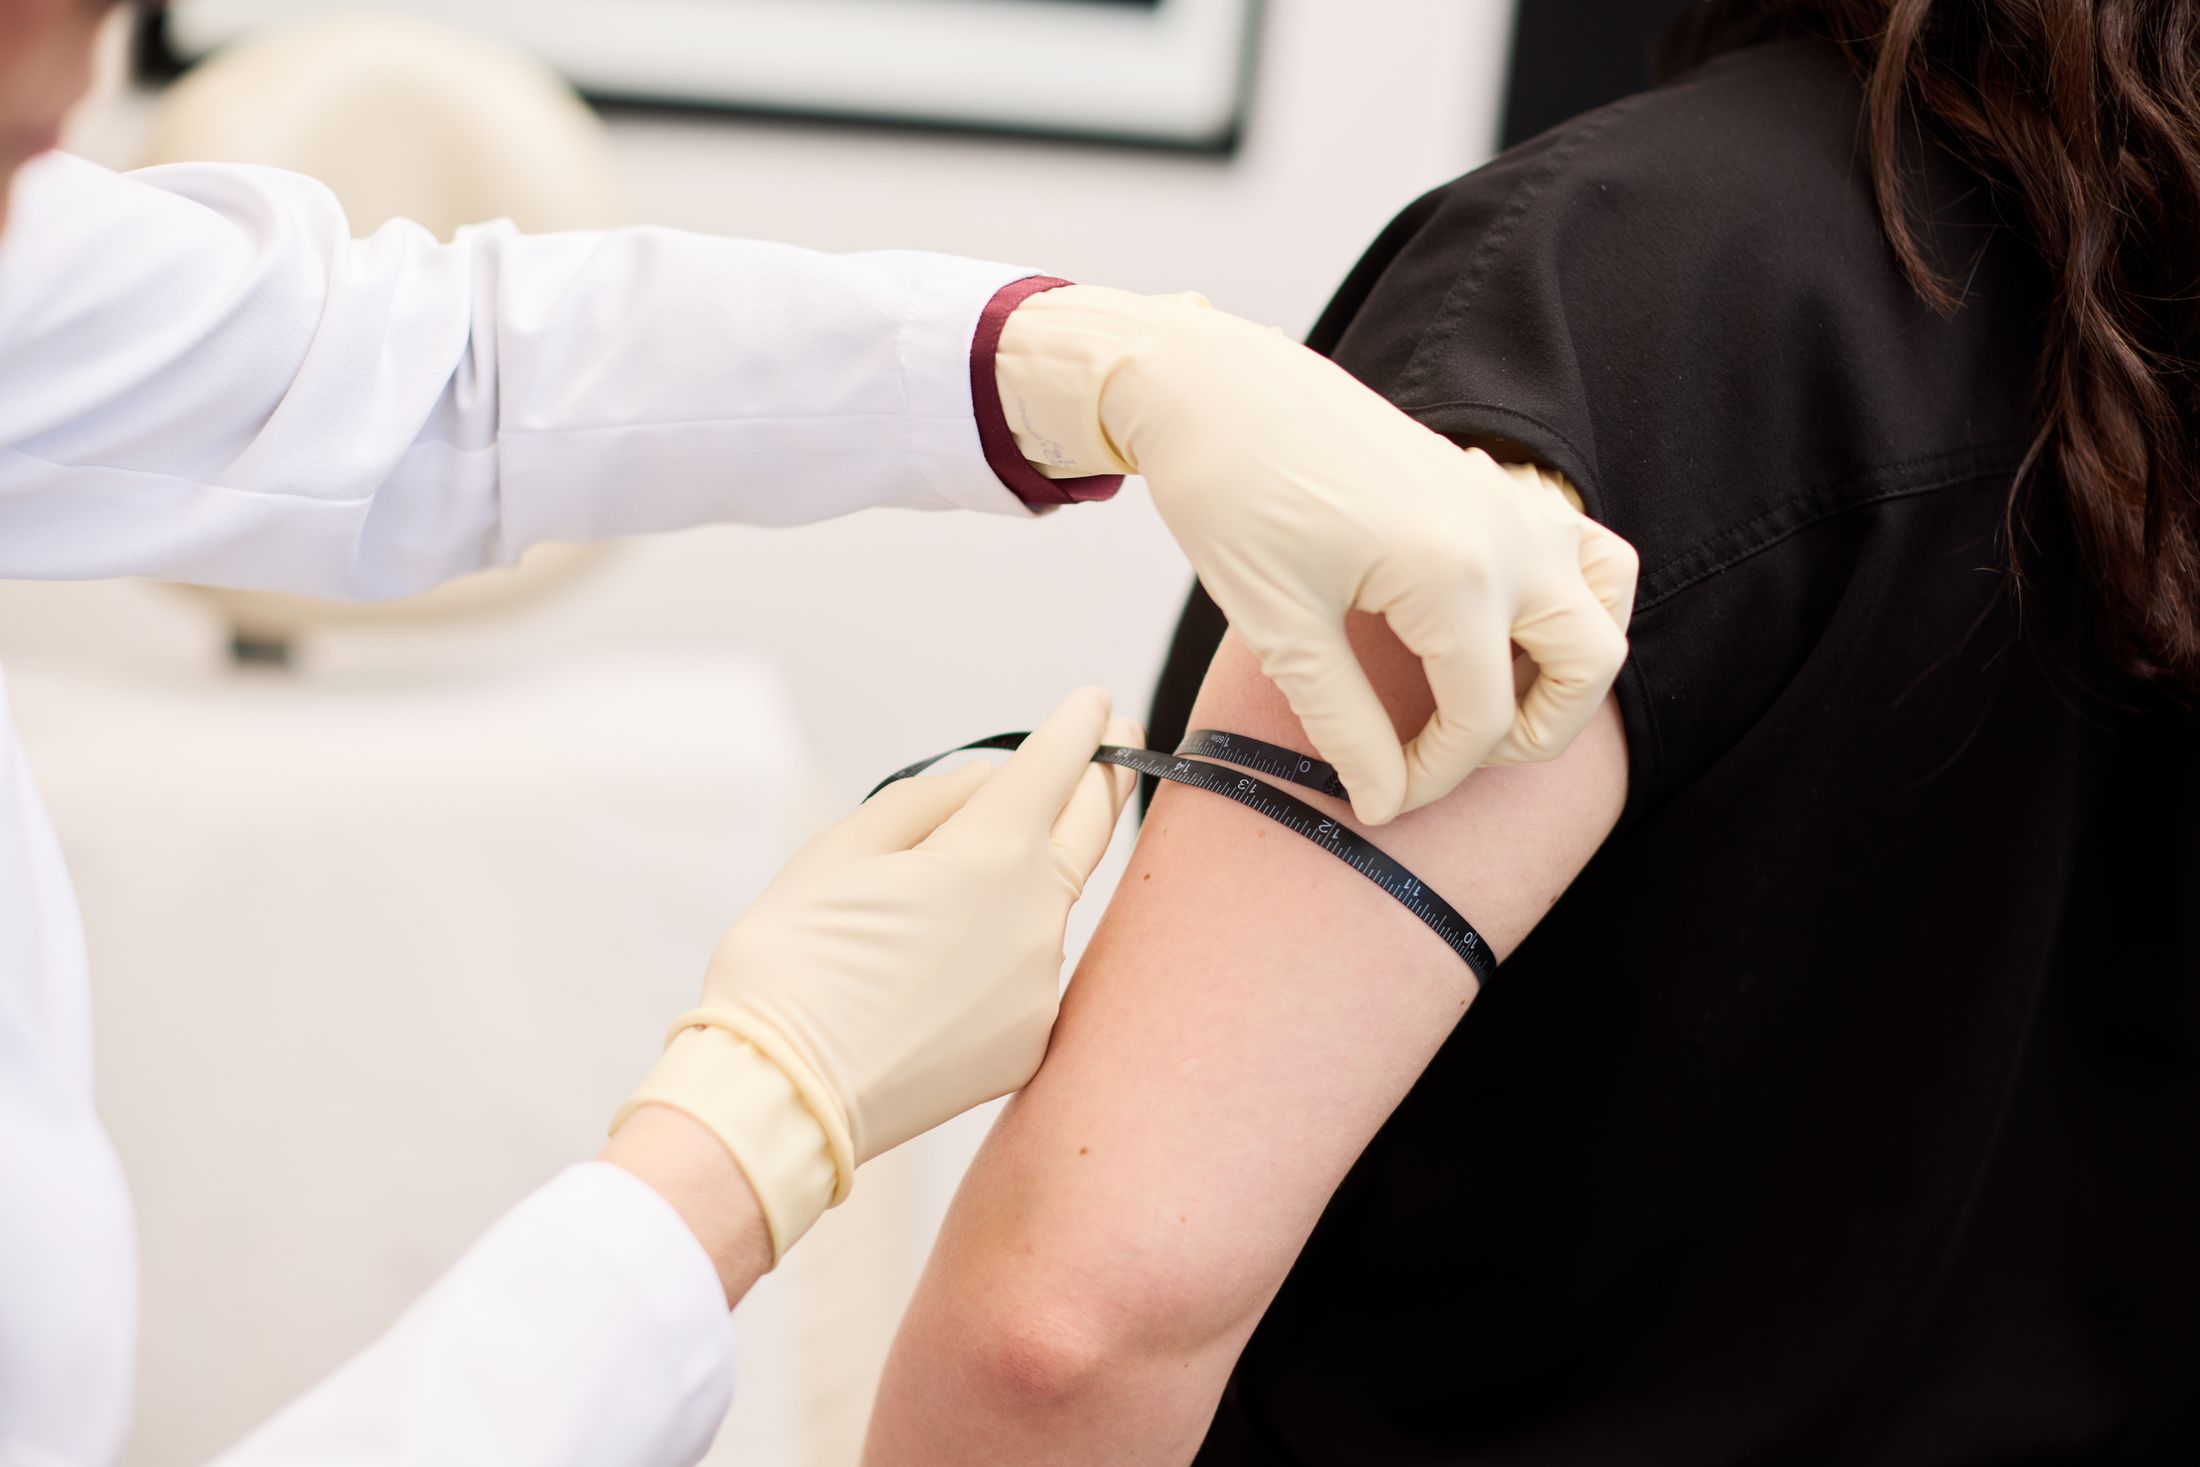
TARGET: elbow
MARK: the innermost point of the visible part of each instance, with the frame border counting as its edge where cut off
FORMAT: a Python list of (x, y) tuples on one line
[(996, 1375), (1042, 1363), (1053, 1345)]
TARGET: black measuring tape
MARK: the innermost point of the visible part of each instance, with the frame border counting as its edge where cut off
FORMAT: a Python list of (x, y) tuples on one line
[(1189, 765)]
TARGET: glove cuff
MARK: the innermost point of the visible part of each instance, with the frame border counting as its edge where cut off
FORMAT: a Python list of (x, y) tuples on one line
[(759, 1113)]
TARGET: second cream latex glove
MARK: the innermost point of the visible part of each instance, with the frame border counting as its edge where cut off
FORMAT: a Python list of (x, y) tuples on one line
[(904, 967), (1298, 495)]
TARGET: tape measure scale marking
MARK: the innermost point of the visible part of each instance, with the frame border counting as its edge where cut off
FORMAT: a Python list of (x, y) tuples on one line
[(1190, 765), (1252, 753)]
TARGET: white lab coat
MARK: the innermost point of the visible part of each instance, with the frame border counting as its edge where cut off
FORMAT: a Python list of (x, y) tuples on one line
[(202, 377)]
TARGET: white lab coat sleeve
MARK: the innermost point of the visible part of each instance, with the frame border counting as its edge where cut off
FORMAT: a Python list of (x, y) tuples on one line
[(204, 377), (587, 1328)]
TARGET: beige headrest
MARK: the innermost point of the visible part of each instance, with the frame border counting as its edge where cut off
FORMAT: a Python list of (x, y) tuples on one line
[(401, 117)]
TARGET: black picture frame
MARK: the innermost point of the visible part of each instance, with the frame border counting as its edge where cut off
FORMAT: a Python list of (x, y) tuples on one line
[(1169, 74)]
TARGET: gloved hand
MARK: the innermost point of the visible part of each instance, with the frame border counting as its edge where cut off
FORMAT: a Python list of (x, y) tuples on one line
[(1298, 495), (904, 967)]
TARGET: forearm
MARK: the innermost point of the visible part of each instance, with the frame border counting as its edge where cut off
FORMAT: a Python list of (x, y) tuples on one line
[(687, 1166)]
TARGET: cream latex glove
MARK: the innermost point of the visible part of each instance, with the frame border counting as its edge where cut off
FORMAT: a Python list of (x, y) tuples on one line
[(1298, 495), (904, 967)]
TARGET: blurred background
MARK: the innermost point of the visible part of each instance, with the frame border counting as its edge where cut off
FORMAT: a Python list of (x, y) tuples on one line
[(388, 913)]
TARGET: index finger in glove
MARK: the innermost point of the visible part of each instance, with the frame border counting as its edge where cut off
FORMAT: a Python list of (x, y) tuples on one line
[(1321, 678), (1473, 688), (1459, 628), (1087, 822), (1577, 652), (1609, 565), (897, 817), (1029, 791)]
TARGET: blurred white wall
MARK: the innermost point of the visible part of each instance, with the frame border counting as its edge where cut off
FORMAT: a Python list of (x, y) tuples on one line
[(900, 634)]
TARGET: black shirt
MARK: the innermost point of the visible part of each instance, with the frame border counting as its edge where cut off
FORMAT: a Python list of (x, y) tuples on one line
[(1847, 1108)]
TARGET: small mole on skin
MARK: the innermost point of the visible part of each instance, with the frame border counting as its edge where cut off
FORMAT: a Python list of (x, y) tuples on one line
[(1147, 877), (1083, 1149)]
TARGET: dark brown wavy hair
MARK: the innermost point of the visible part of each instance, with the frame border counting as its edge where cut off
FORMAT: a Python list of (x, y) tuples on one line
[(2084, 115)]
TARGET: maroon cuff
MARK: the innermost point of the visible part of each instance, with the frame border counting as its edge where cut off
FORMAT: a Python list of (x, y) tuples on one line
[(994, 434)]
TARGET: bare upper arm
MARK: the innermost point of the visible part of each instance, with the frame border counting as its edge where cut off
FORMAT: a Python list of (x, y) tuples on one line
[(1249, 1012)]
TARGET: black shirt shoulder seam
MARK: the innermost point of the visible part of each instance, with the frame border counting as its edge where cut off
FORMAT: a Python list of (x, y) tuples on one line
[(1468, 281)]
